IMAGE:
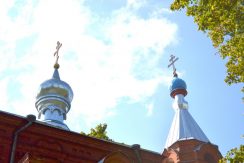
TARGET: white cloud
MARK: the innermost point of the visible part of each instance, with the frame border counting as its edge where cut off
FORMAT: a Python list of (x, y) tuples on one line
[(119, 61)]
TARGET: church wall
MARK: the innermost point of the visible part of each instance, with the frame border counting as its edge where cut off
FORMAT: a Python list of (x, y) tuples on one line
[(44, 143)]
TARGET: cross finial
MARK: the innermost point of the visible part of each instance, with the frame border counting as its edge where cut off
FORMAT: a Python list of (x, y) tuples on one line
[(172, 60), (56, 65)]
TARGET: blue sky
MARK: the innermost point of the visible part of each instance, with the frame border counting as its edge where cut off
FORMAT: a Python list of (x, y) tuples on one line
[(115, 56)]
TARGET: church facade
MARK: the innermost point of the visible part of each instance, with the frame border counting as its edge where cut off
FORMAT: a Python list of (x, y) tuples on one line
[(49, 140), (43, 143)]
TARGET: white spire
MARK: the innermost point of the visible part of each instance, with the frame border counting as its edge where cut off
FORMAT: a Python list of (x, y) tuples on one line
[(183, 126)]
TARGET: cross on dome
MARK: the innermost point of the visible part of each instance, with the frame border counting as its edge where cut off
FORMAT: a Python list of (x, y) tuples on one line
[(172, 60), (56, 65)]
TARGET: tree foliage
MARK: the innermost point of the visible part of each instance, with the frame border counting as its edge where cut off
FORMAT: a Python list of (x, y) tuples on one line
[(234, 155), (223, 21), (98, 132)]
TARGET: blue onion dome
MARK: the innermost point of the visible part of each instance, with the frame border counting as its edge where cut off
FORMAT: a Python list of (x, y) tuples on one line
[(178, 86), (54, 92)]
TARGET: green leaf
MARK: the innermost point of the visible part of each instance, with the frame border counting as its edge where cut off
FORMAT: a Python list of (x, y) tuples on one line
[(223, 21)]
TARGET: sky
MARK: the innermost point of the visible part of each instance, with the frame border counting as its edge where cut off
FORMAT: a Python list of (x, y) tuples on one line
[(115, 56)]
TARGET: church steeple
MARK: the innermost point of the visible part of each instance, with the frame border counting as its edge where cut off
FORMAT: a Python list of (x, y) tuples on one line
[(186, 141), (53, 101), (183, 126)]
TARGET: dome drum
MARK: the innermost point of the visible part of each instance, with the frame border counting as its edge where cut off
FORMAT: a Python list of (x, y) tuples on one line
[(51, 110), (45, 101)]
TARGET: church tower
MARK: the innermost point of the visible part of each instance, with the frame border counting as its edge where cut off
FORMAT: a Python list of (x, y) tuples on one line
[(53, 100), (186, 141)]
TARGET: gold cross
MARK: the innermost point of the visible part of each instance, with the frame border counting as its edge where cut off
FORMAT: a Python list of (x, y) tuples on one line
[(56, 65), (172, 60)]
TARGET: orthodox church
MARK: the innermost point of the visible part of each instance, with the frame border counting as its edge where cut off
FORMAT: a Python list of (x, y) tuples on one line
[(49, 139)]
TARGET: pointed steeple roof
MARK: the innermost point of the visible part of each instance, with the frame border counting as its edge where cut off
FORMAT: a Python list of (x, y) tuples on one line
[(184, 127)]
